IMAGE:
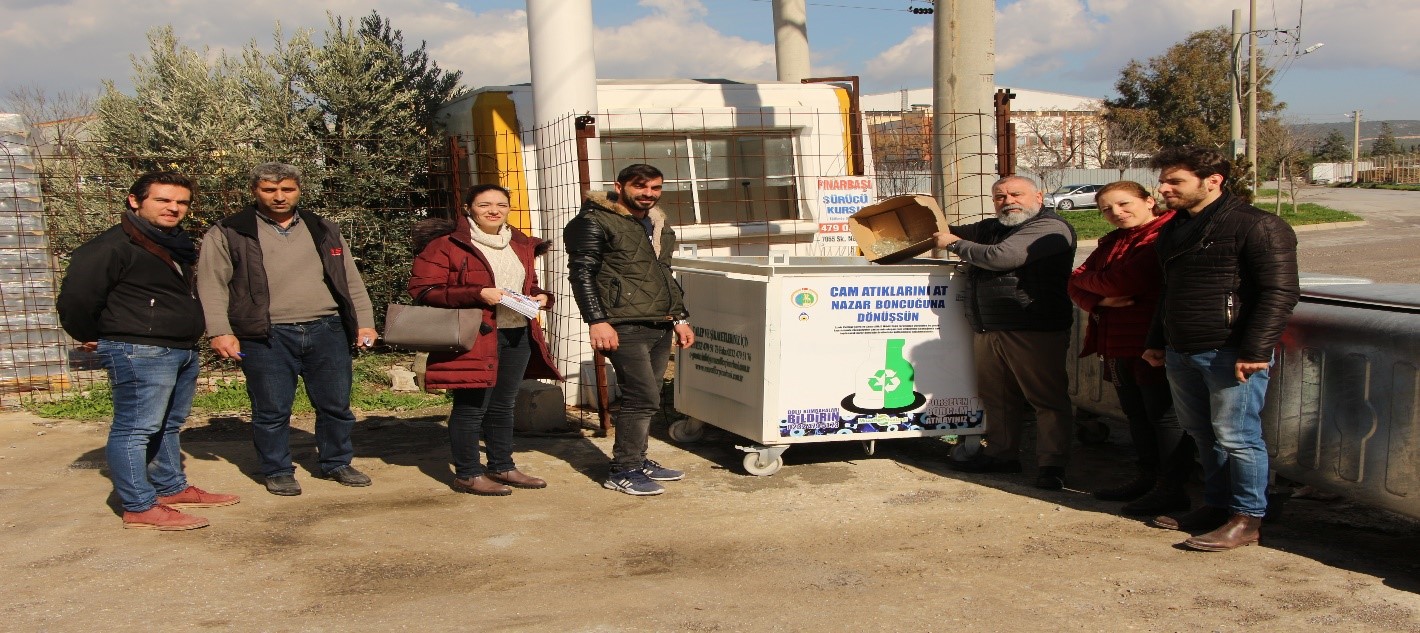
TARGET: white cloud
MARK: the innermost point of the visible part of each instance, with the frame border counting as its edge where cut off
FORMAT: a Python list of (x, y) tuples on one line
[(905, 64), (1073, 46), (673, 41)]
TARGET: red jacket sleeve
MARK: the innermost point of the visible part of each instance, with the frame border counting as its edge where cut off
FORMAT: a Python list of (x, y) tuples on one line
[(436, 276), (1137, 273)]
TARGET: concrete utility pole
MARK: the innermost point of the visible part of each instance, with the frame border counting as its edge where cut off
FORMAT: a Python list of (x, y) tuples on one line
[(1235, 122), (1356, 147), (791, 40), (564, 83), (963, 82), (1252, 93)]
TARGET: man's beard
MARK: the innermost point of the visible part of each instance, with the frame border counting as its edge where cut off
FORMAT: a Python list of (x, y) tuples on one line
[(640, 205), (1186, 202), (1008, 218)]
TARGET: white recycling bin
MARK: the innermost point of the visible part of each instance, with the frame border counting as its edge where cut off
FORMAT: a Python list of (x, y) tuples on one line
[(791, 350)]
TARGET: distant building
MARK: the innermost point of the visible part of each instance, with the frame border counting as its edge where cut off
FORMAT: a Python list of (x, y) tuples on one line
[(1053, 130)]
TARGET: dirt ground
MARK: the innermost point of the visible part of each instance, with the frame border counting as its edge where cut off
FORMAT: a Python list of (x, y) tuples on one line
[(837, 540)]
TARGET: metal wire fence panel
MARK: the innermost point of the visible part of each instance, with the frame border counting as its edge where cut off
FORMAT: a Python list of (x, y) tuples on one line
[(746, 181), (33, 349)]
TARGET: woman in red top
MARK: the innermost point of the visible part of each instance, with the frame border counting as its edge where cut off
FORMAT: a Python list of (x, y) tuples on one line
[(1118, 286), (471, 262)]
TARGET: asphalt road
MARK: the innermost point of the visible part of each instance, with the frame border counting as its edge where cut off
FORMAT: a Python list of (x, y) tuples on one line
[(1385, 250)]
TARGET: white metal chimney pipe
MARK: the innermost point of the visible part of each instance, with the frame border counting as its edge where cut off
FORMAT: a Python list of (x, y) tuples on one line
[(561, 58), (564, 85), (791, 40)]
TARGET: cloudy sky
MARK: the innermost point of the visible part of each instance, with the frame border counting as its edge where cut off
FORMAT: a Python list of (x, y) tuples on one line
[(1371, 61)]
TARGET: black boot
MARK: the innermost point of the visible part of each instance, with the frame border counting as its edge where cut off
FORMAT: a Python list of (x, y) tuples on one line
[(1137, 487), (1163, 499)]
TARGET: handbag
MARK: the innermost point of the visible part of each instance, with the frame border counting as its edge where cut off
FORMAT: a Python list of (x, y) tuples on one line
[(419, 328)]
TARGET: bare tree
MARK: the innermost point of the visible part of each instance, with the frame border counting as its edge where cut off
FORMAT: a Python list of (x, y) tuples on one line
[(57, 121), (902, 152), (1050, 144)]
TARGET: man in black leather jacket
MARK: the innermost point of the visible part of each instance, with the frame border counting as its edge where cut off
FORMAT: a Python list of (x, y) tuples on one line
[(619, 251), (1230, 283)]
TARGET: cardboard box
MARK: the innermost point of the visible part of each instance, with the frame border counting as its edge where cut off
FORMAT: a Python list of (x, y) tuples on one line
[(897, 228)]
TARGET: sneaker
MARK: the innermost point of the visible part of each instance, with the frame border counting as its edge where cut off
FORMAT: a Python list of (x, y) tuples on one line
[(348, 476), (161, 517), (632, 482), (283, 485), (194, 497), (658, 472), (1050, 478)]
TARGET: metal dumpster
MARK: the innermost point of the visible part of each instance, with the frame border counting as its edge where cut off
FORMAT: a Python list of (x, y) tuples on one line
[(1088, 389), (793, 350), (1342, 405)]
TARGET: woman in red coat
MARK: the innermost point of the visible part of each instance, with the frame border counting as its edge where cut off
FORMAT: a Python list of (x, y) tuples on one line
[(1118, 286), (471, 262)]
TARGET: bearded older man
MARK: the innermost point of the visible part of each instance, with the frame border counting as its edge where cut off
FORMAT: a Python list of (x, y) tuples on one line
[(1018, 266)]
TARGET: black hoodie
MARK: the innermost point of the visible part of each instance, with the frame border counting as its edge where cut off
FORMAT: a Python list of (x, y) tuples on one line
[(120, 286)]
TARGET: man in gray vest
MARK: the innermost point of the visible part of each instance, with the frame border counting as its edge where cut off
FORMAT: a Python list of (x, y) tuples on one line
[(282, 297), (1017, 305)]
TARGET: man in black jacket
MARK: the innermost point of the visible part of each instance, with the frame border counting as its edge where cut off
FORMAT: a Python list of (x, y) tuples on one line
[(1020, 313), (127, 296), (619, 251), (1230, 283), (283, 297)]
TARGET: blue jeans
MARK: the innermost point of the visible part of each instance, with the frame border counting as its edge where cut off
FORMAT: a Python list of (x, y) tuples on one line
[(1224, 418), (640, 359), (317, 352), (489, 412), (152, 395)]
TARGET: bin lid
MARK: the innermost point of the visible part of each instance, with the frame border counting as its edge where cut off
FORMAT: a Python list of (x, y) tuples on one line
[(1395, 297), (1308, 280)]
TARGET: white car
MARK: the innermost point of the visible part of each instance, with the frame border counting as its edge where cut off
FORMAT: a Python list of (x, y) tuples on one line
[(1072, 196)]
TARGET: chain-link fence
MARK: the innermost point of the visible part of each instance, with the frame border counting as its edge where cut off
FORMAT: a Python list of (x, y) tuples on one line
[(737, 183)]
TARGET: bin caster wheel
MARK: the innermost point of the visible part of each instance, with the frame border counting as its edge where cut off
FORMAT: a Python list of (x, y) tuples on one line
[(754, 466), (687, 430)]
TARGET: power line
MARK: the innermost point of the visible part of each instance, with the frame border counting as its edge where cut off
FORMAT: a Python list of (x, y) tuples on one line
[(847, 6)]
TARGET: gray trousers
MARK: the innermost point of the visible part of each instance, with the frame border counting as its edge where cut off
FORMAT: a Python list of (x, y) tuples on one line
[(1017, 369), (640, 361)]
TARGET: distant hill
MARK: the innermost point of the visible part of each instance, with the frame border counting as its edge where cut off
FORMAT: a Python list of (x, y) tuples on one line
[(1407, 133)]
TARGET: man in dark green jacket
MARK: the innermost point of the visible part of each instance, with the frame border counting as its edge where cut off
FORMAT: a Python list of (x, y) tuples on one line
[(619, 252)]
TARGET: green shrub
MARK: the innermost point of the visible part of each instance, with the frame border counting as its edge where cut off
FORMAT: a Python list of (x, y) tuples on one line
[(370, 392)]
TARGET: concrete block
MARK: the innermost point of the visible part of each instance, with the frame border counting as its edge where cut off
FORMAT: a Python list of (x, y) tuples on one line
[(539, 408), (401, 379)]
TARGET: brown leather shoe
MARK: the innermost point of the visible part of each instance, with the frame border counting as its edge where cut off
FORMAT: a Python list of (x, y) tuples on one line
[(481, 485), (517, 479), (1240, 530), (1204, 518)]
